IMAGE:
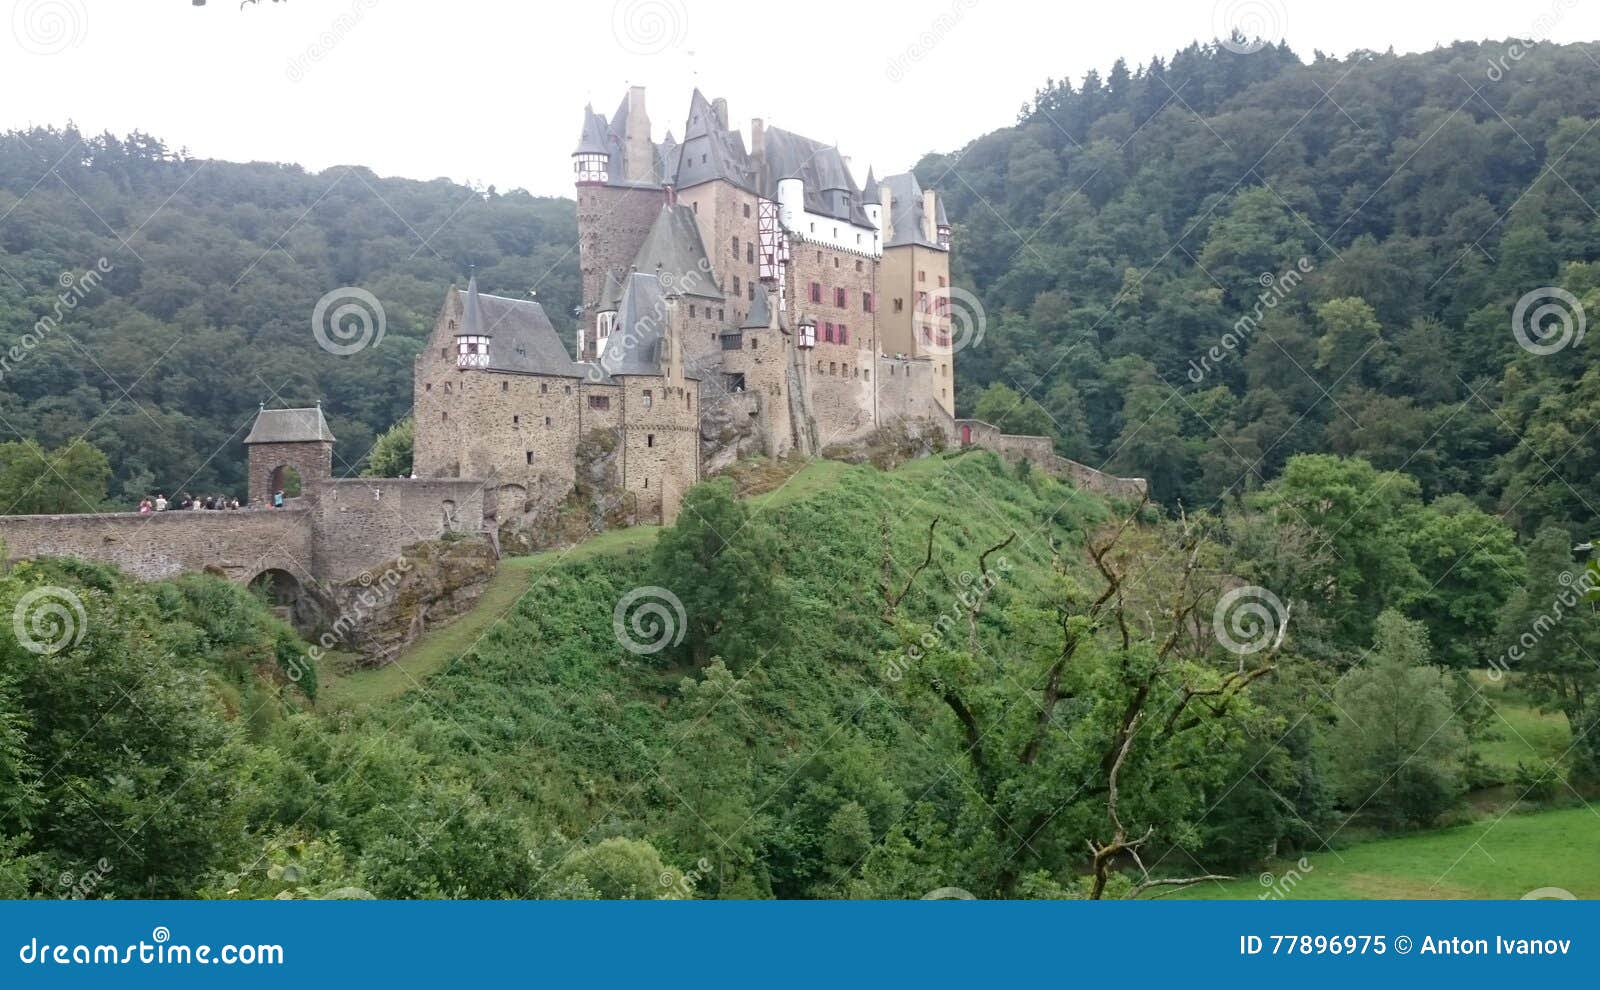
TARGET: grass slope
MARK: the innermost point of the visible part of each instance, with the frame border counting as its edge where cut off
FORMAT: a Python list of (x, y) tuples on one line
[(531, 693), (1503, 858)]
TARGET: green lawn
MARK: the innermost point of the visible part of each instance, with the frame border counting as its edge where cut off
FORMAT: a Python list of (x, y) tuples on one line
[(1500, 858)]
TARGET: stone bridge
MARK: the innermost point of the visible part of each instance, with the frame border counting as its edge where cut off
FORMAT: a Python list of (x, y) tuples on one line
[(1041, 452)]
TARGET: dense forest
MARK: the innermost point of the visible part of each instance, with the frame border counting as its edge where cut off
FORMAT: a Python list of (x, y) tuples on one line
[(215, 271), (1128, 222)]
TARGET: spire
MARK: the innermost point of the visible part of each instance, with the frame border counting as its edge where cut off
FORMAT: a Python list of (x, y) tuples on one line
[(472, 311), (593, 139), (869, 192)]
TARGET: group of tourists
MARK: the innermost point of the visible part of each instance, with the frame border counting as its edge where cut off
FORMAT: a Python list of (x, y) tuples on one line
[(160, 503)]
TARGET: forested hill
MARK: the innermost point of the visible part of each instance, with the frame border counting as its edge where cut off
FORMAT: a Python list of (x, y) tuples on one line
[(215, 270), (1125, 223), (1116, 233)]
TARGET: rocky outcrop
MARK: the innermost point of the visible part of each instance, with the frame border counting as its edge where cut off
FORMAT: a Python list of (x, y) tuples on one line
[(890, 446), (383, 610)]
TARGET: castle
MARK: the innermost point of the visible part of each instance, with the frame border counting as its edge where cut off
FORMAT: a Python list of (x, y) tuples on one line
[(761, 283)]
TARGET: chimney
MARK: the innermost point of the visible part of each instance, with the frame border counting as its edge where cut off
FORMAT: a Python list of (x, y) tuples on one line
[(930, 209), (758, 150), (720, 105), (639, 150)]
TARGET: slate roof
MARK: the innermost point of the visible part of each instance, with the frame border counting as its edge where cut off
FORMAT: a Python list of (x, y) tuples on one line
[(667, 160), (635, 346), (596, 136), (523, 341), (907, 212), (760, 317), (712, 151), (290, 426), (673, 248), (830, 189), (870, 192)]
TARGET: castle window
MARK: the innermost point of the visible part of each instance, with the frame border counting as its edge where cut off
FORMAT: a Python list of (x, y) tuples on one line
[(816, 292), (696, 206), (844, 334), (922, 276), (750, 251), (899, 305), (858, 241), (547, 423), (814, 230), (827, 332), (833, 368), (866, 302), (569, 389), (599, 402), (544, 388), (530, 457), (836, 261), (941, 281), (649, 439), (839, 297), (688, 401), (736, 248), (736, 289), (752, 292), (691, 310), (719, 308), (819, 367), (866, 375), (444, 417), (648, 399), (927, 335), (844, 369), (505, 386), (515, 420), (452, 324), (747, 209), (752, 343), (447, 387), (647, 484), (428, 387), (858, 260)]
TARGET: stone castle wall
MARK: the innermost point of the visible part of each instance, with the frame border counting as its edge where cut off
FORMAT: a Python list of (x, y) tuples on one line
[(362, 522), (1040, 452), (612, 223), (241, 543)]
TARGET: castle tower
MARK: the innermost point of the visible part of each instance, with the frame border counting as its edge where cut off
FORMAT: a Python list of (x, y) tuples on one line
[(288, 440), (591, 163), (617, 173)]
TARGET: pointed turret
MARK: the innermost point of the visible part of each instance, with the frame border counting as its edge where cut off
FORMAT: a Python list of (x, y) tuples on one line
[(472, 340), (591, 163)]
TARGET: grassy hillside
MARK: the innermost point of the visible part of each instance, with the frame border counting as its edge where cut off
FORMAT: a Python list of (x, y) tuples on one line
[(1501, 857)]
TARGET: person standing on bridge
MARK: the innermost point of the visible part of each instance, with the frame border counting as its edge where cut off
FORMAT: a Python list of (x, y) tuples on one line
[(277, 499), (161, 502)]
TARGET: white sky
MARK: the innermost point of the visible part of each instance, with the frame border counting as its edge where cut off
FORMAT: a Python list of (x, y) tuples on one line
[(490, 91)]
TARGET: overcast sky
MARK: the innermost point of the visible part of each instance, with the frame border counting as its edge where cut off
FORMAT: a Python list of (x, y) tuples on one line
[(490, 91)]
